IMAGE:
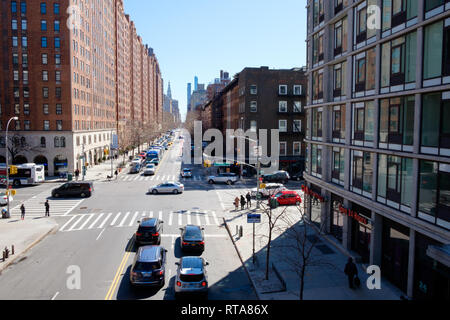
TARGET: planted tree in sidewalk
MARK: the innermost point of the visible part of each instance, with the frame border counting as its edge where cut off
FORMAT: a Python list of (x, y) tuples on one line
[(298, 246)]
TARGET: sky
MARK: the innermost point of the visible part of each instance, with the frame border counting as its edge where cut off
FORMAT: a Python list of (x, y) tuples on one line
[(201, 37)]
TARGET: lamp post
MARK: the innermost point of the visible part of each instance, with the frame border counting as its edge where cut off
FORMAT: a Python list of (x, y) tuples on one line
[(7, 156)]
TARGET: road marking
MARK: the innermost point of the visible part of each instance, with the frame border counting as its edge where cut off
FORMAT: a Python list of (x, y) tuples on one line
[(104, 221), (207, 219), (67, 223), (160, 216), (172, 246), (87, 221), (100, 234), (215, 218), (198, 219), (180, 219), (220, 199), (188, 217), (152, 178), (73, 208), (116, 218), (170, 218), (134, 218), (75, 224), (143, 213), (56, 294), (119, 271), (150, 215), (96, 220), (123, 220)]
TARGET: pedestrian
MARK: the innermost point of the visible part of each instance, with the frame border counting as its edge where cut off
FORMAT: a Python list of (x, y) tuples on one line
[(236, 203), (77, 174), (47, 209), (242, 202), (22, 210), (249, 200), (116, 173), (351, 271)]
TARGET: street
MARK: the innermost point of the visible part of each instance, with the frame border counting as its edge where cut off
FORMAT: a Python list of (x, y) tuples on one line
[(96, 237)]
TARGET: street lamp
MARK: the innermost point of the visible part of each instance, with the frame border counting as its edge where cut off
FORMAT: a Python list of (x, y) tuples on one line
[(7, 156)]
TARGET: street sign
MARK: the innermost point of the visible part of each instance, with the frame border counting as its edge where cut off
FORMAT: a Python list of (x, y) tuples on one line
[(253, 218), (115, 142)]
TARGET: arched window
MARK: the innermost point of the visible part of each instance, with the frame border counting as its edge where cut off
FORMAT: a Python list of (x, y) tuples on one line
[(23, 142), (43, 142), (56, 142), (63, 142)]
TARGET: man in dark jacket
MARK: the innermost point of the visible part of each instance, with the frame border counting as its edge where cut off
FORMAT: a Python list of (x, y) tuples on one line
[(47, 209), (242, 202), (351, 271), (249, 200)]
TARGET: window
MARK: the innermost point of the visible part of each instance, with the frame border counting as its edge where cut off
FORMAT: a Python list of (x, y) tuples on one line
[(318, 55), (15, 42), (253, 106), (16, 93), (45, 92), (318, 85), (26, 125), (282, 106), (282, 125), (16, 75), (361, 24), (56, 8), (24, 25), (297, 106), (45, 109), (318, 12), (17, 108), (297, 126), (253, 126), (13, 6), (44, 75), (46, 125), (57, 42), (283, 148), (436, 123), (25, 76), (15, 59), (26, 109), (282, 90), (436, 61), (14, 24), (44, 59), (43, 25), (316, 160), (58, 76), (43, 142), (338, 166), (339, 79), (43, 42), (63, 142), (340, 37), (364, 117), (434, 193), (58, 92), (364, 66), (395, 180), (58, 109), (317, 123), (339, 124), (43, 8), (362, 172), (24, 42), (253, 89), (433, 4), (396, 12), (17, 127), (297, 90), (297, 148), (56, 142), (24, 60), (56, 25), (59, 125), (57, 59)]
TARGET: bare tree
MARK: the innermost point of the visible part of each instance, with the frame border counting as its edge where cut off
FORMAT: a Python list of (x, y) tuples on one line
[(18, 144)]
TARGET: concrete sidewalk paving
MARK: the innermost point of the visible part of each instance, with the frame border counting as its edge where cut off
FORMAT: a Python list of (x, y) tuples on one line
[(323, 281), (23, 235)]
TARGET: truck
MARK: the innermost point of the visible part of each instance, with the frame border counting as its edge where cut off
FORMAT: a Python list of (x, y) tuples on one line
[(153, 153)]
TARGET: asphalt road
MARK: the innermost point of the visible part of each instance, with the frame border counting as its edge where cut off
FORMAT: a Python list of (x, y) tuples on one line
[(91, 254)]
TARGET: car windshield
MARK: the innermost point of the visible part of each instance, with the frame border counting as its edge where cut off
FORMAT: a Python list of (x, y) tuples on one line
[(146, 266), (279, 194), (193, 233), (187, 170), (150, 166), (191, 263)]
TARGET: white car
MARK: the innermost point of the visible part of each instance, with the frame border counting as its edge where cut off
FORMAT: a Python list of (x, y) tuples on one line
[(228, 178), (167, 187), (270, 190), (4, 199), (149, 170), (186, 173)]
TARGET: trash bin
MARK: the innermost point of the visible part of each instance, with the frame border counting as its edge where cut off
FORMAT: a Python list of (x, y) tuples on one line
[(69, 177)]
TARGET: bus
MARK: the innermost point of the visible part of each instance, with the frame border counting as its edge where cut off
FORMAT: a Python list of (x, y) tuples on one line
[(27, 174)]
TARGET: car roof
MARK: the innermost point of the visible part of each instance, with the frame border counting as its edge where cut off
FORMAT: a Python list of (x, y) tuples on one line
[(148, 253), (149, 222)]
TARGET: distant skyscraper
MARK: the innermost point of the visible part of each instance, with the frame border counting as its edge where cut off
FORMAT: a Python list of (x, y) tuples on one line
[(189, 93), (195, 83), (169, 91)]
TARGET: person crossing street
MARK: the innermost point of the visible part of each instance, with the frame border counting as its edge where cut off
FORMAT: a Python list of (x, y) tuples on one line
[(47, 209), (242, 202), (22, 210), (236, 203), (249, 200)]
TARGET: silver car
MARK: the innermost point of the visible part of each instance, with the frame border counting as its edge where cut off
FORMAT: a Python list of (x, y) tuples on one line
[(149, 170), (191, 276), (228, 178), (270, 190), (167, 187)]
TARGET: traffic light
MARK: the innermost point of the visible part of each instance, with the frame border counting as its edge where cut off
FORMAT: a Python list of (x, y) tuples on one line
[(13, 170)]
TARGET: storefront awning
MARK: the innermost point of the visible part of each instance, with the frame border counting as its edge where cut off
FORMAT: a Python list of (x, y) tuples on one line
[(440, 254)]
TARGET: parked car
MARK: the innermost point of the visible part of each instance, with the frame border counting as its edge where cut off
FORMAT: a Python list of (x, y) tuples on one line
[(270, 190), (136, 168), (167, 187), (287, 198), (186, 173), (297, 176), (149, 231), (4, 199), (149, 267), (191, 276), (192, 238), (228, 178), (149, 170), (74, 189), (277, 177)]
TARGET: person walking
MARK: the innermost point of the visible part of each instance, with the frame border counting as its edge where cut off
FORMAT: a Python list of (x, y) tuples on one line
[(77, 174), (351, 271), (47, 209), (22, 210), (242, 202), (249, 200), (236, 203), (116, 173)]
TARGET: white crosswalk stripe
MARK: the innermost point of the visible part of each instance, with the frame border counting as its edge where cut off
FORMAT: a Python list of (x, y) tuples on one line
[(129, 219)]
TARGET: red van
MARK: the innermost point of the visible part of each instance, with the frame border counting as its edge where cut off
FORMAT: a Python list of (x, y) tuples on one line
[(287, 198)]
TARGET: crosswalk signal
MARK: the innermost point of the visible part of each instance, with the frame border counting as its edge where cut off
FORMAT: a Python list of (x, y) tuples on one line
[(13, 170)]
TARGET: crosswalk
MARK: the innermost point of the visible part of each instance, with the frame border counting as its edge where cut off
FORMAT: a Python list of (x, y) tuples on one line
[(129, 219), (35, 207), (160, 178)]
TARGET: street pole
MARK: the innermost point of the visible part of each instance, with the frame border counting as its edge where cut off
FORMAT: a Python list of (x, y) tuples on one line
[(83, 167), (258, 166), (253, 256), (111, 152), (7, 165)]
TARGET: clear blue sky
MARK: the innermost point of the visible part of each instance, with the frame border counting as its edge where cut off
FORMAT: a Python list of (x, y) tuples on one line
[(201, 37)]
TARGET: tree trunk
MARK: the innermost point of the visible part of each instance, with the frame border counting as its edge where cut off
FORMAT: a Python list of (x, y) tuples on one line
[(268, 254)]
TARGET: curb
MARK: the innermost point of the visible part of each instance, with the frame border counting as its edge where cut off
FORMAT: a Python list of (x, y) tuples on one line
[(240, 257), (34, 243)]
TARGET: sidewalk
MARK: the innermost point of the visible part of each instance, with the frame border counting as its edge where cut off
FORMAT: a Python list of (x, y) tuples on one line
[(23, 235), (325, 280)]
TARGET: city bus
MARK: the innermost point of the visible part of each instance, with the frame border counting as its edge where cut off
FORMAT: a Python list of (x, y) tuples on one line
[(27, 174)]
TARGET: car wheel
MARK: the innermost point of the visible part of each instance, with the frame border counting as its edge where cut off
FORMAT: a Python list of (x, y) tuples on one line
[(229, 182), (83, 195), (155, 191), (16, 183), (211, 181), (175, 191), (298, 179), (56, 195)]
